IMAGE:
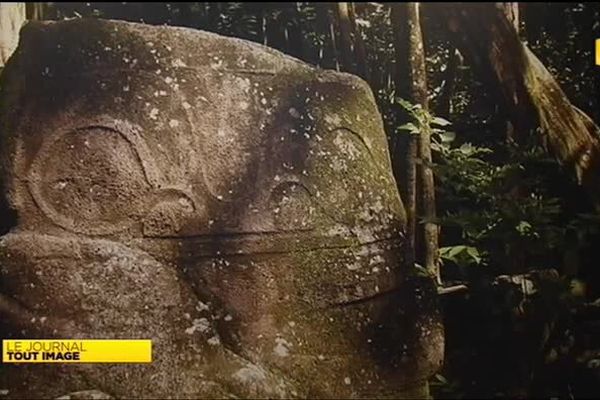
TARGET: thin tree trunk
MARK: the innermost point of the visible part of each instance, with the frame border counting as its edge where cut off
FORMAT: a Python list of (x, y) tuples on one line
[(405, 147), (427, 230), (343, 15), (511, 12), (35, 11), (408, 188), (362, 64), (263, 27), (12, 17), (530, 93), (411, 83)]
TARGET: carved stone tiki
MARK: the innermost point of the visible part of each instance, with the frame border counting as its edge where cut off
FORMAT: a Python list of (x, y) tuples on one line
[(231, 203)]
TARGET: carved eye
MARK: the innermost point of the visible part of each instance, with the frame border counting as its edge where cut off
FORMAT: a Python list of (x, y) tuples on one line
[(292, 208), (90, 180)]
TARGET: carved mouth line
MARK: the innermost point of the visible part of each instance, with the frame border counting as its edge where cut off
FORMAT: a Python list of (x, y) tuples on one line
[(270, 244)]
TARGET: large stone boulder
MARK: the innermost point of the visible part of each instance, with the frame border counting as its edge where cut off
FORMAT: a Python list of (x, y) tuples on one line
[(231, 203)]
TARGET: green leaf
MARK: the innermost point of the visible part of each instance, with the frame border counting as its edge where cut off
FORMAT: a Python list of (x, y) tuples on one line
[(461, 255), (447, 137), (456, 250), (524, 227), (405, 104), (474, 254), (441, 379), (440, 121), (412, 128)]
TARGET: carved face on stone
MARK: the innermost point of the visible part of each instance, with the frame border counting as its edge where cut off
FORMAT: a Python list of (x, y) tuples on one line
[(232, 204)]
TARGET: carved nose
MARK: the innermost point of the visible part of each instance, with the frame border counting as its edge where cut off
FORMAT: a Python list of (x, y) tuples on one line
[(170, 215)]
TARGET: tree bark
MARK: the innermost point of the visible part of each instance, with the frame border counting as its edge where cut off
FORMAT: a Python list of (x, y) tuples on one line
[(411, 84), (405, 146), (343, 15), (35, 11), (427, 238), (12, 17), (362, 65), (530, 93), (511, 12)]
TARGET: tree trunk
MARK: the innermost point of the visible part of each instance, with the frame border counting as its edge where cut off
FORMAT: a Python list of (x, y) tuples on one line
[(334, 46), (405, 146), (12, 17), (427, 238), (343, 15), (530, 93), (511, 12), (35, 11), (263, 25), (417, 179), (362, 64)]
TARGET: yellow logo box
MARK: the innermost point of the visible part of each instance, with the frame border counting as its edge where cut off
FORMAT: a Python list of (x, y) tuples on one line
[(76, 351), (598, 52)]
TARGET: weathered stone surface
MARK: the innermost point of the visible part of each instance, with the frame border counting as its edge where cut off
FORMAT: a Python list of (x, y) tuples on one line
[(232, 204)]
